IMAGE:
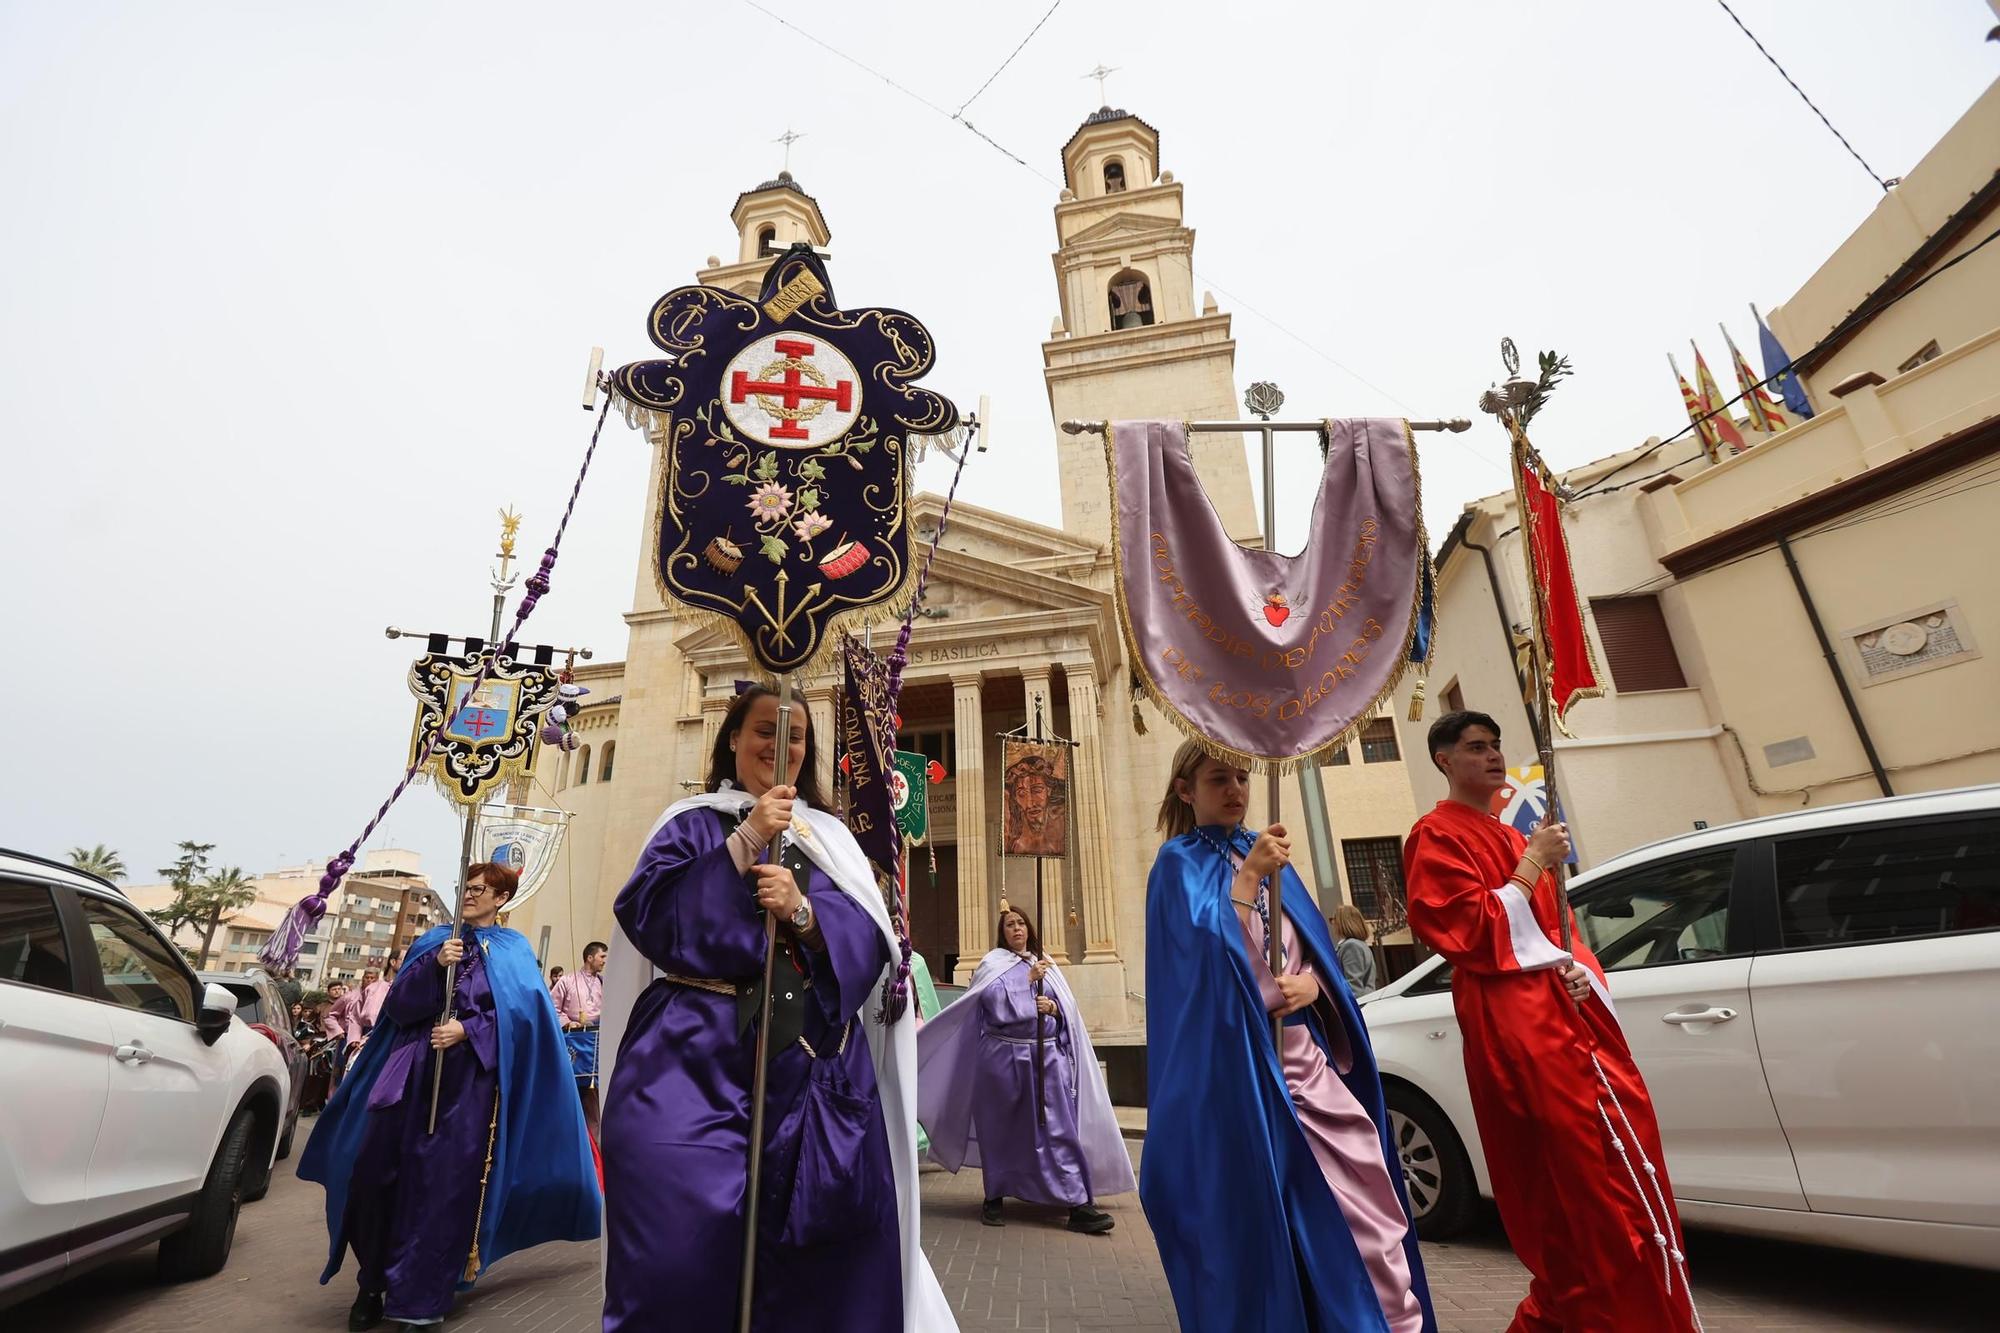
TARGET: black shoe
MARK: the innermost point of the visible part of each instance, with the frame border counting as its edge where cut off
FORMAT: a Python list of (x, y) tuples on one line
[(365, 1313), (989, 1213), (1090, 1221)]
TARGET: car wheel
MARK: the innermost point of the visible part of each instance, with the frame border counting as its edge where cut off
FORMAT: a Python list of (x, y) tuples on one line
[(291, 1128), (201, 1247), (1436, 1172)]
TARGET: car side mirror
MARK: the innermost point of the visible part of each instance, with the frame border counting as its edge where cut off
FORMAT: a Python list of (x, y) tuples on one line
[(218, 1006)]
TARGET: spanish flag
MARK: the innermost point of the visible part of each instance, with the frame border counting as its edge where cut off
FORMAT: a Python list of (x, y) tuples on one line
[(1765, 414), (1712, 400)]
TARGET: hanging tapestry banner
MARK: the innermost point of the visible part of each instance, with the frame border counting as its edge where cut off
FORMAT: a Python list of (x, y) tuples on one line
[(910, 794), (786, 423), (1034, 784), (1269, 659), (867, 741), (524, 838), (1571, 662), (490, 737)]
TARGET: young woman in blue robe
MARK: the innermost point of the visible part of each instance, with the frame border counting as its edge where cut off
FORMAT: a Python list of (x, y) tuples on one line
[(509, 1165), (1269, 1179), (837, 1214)]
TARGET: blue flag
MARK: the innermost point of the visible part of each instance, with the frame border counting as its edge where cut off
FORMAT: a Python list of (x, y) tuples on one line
[(1778, 367)]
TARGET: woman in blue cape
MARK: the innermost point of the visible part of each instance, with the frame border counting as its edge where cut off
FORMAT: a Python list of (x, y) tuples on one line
[(509, 1165), (1269, 1179)]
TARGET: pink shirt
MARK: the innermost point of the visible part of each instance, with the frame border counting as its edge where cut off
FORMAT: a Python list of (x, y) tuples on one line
[(579, 997)]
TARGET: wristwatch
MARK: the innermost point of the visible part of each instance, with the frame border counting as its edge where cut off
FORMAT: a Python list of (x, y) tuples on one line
[(803, 917)]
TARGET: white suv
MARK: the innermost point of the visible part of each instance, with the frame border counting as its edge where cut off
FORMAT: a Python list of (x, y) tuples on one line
[(134, 1105), (1814, 999)]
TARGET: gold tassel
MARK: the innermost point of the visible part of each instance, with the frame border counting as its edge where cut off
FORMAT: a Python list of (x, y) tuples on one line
[(1003, 905), (492, 1134), (1417, 701)]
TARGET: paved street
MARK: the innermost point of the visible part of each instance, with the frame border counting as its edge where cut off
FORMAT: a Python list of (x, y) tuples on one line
[(1031, 1274)]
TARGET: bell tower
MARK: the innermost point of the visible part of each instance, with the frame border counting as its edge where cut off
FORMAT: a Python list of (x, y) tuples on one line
[(769, 220), (1129, 341)]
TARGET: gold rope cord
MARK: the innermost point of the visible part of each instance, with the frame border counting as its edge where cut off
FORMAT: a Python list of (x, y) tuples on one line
[(479, 1218)]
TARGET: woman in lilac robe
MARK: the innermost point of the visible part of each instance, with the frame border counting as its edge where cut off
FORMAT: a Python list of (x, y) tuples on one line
[(1044, 1136), (832, 1221)]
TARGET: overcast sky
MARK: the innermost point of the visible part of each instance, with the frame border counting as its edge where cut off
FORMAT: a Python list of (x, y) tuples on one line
[(295, 297)]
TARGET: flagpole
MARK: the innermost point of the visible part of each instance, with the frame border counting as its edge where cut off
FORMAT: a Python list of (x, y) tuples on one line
[(1263, 399), (760, 1076)]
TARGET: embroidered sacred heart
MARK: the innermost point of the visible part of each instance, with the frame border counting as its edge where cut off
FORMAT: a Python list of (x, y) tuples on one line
[(1276, 610)]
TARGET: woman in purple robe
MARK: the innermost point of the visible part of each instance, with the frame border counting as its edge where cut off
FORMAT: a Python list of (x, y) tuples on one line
[(837, 1214), (1008, 1082)]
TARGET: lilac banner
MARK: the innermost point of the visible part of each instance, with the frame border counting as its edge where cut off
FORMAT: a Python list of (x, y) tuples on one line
[(1269, 659)]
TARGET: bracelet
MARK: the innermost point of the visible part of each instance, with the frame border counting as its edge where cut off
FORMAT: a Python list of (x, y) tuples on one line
[(1250, 903), (1540, 869), (1516, 878)]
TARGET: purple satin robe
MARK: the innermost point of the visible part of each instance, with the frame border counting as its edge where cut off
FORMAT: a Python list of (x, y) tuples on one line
[(413, 1200), (676, 1115), (1022, 1155)]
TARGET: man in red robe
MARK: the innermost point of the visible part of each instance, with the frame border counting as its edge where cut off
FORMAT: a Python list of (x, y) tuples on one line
[(1572, 1145)]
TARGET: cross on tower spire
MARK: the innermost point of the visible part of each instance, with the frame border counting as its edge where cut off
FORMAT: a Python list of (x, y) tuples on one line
[(788, 138), (1101, 73)]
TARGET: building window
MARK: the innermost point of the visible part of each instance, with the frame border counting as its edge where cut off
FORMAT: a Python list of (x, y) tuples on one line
[(1378, 742), (1340, 758), (1454, 698), (604, 772), (1114, 177), (1131, 300), (1375, 876), (767, 242), (583, 766), (1637, 646), (1928, 352)]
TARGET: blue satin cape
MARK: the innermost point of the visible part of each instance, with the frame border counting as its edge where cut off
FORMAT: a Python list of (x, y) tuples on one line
[(1248, 1229), (543, 1184)]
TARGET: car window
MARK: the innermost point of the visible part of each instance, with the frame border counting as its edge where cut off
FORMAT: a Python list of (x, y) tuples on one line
[(1669, 912), (1889, 882), (32, 951), (1433, 982), (139, 972)]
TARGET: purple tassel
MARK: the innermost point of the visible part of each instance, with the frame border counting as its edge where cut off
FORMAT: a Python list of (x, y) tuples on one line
[(900, 657)]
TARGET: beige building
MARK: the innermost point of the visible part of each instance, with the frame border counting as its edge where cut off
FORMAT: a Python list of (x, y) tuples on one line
[(1017, 613), (1801, 623), (378, 909)]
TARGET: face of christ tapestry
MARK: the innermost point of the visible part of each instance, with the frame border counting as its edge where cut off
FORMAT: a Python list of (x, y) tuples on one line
[(1035, 779), (787, 423)]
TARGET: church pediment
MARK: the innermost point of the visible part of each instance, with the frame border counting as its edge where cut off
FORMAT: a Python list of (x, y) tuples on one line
[(987, 534), (1122, 226)]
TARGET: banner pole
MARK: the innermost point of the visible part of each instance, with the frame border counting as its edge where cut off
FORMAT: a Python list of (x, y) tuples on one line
[(760, 1077), (1274, 928)]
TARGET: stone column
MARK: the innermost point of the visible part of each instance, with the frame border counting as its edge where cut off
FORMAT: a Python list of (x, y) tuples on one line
[(974, 909), (1050, 912), (713, 710), (1093, 823)]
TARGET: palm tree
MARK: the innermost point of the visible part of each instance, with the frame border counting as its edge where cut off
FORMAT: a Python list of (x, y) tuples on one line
[(220, 894), (100, 861)]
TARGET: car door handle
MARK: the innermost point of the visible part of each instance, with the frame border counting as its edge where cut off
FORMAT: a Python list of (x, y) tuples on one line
[(134, 1053), (1700, 1016)]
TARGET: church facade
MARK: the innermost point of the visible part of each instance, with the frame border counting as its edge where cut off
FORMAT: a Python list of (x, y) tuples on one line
[(1019, 623)]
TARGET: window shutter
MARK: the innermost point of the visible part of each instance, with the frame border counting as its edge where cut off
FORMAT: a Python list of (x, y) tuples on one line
[(1638, 649)]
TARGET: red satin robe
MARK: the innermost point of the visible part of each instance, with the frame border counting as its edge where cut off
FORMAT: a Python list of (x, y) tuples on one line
[(1603, 1258)]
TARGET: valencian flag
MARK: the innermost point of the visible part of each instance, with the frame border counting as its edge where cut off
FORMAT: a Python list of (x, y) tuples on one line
[(1765, 415), (1713, 401), (1778, 365), (1566, 652), (787, 425), (1698, 417)]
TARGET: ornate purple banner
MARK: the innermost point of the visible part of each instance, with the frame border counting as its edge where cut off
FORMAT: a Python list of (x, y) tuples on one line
[(1268, 658)]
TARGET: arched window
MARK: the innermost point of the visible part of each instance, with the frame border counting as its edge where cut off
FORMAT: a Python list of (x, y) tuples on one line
[(767, 241), (583, 766), (1131, 300), (1114, 177), (610, 749)]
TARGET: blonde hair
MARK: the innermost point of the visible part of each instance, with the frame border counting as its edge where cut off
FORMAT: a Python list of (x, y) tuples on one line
[(1349, 924), (1177, 815)]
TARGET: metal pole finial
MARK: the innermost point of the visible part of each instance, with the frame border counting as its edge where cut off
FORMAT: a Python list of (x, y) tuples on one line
[(1263, 399)]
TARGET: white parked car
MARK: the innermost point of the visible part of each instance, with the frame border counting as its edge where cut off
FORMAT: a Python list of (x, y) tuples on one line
[(134, 1105), (1814, 999)]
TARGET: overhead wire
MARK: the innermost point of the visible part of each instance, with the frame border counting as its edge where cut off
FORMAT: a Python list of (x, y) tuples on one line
[(1872, 174)]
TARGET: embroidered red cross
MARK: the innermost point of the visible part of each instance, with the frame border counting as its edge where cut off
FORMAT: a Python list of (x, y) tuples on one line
[(478, 721), (791, 391)]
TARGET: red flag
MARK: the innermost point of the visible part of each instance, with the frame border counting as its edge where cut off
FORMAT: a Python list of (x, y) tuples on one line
[(1565, 652)]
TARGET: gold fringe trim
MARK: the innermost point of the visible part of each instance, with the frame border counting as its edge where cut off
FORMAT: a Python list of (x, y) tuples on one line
[(479, 1218), (1283, 765)]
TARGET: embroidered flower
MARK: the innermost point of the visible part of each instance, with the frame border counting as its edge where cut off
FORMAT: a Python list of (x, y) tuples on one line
[(811, 525), (770, 503)]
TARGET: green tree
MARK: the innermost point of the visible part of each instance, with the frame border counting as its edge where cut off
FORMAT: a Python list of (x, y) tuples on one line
[(100, 861), (216, 897), (185, 875)]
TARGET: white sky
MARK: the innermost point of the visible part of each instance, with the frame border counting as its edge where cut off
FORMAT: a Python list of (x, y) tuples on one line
[(294, 298)]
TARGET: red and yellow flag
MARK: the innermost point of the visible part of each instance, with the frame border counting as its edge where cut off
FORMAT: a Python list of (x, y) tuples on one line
[(1712, 401), (1765, 414), (1704, 428), (1565, 650)]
